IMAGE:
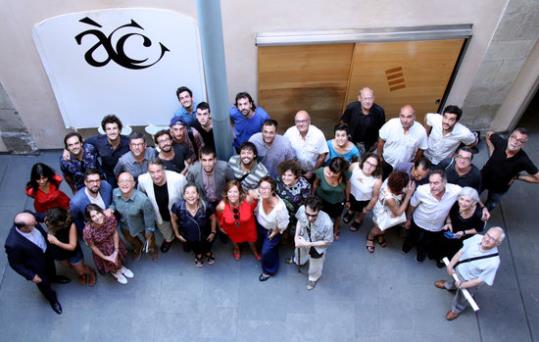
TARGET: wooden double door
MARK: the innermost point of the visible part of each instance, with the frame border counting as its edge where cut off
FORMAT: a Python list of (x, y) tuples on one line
[(323, 79)]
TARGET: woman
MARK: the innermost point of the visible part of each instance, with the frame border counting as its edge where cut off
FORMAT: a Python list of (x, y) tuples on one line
[(330, 186), (340, 146), (44, 188), (236, 218), (292, 188), (62, 235), (272, 216), (103, 239), (464, 221), (193, 223), (390, 201), (362, 189)]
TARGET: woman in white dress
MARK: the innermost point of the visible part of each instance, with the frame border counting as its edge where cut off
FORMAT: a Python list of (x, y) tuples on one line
[(362, 189)]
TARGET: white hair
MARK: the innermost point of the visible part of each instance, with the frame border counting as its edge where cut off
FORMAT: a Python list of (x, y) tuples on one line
[(500, 230), (469, 192)]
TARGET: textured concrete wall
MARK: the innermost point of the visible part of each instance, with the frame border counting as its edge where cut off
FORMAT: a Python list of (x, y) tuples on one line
[(13, 133), (511, 46)]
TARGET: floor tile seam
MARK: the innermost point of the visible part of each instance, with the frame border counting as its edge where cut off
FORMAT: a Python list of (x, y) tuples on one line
[(517, 276)]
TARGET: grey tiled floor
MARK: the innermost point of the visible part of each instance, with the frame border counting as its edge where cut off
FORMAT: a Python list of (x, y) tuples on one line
[(361, 297)]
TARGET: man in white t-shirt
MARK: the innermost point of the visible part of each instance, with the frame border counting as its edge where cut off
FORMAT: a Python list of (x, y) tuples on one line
[(427, 212), (446, 133), (308, 142), (401, 140), (475, 263)]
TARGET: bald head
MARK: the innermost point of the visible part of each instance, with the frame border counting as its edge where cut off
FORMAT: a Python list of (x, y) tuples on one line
[(302, 120), (126, 183), (25, 221), (407, 116), (492, 238), (366, 97)]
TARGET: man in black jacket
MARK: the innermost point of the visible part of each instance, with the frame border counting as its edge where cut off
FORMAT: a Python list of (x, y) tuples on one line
[(28, 253)]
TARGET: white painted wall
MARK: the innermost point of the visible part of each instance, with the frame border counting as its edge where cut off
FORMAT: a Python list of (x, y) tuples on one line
[(26, 83)]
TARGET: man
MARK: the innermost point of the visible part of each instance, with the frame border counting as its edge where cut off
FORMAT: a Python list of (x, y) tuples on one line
[(110, 146), (507, 160), (95, 191), (81, 157), (245, 168), (476, 263), (29, 254), (401, 140), (460, 170), (365, 118), (187, 105), (163, 188), (427, 212), (246, 118), (209, 175), (136, 160), (272, 148), (203, 124), (418, 171), (184, 135), (308, 142), (446, 133), (314, 233), (172, 156), (137, 216)]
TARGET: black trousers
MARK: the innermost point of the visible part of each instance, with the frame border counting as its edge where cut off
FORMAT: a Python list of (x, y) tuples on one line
[(46, 278), (426, 242), (386, 169)]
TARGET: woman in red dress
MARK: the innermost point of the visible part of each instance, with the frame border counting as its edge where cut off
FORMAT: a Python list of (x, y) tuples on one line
[(103, 239), (43, 187), (236, 218)]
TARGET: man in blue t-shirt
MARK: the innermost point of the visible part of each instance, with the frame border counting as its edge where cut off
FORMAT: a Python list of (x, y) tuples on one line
[(187, 110), (246, 118)]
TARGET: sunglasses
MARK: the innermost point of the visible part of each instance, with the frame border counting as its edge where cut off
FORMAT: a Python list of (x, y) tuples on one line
[(236, 215)]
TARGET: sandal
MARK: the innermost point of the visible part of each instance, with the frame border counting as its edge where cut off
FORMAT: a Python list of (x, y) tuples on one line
[(336, 236), (347, 218), (236, 254), (354, 227), (210, 258), (199, 261), (370, 245), (91, 278), (382, 241)]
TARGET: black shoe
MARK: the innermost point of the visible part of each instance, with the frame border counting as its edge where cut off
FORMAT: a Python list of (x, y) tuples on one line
[(56, 307), (186, 248), (439, 264), (59, 279), (165, 246), (420, 257)]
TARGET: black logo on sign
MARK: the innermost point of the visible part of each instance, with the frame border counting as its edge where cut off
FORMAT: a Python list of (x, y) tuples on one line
[(116, 53)]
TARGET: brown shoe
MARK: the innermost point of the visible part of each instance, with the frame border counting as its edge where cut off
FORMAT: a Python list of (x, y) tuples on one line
[(451, 315), (440, 284)]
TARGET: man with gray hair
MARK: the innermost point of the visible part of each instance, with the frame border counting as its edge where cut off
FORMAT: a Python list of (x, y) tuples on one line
[(476, 263)]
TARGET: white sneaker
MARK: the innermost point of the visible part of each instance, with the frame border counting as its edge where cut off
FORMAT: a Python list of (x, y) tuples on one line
[(120, 277), (127, 272)]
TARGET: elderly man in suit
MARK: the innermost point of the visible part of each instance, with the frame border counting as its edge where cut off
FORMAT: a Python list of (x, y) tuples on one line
[(28, 253), (163, 188), (209, 175)]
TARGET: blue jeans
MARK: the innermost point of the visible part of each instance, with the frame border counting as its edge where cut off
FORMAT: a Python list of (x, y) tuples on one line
[(270, 251), (493, 198)]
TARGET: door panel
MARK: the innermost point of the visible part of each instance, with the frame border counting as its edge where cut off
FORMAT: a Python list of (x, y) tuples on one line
[(310, 77), (409, 72)]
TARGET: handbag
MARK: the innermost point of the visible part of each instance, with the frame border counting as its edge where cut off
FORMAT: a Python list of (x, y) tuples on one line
[(313, 253), (383, 216)]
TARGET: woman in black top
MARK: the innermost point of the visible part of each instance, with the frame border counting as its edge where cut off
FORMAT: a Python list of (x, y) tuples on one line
[(62, 235), (193, 222), (464, 221)]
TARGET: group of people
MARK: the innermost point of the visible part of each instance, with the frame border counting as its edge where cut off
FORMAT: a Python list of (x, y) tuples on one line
[(292, 189)]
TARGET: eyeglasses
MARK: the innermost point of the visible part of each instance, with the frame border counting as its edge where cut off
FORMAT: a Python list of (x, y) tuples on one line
[(522, 141), (236, 215)]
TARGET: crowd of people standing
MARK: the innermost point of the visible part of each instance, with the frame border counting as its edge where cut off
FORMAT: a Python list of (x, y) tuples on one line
[(295, 189)]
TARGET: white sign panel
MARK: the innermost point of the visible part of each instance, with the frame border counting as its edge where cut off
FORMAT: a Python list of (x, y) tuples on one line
[(127, 62)]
